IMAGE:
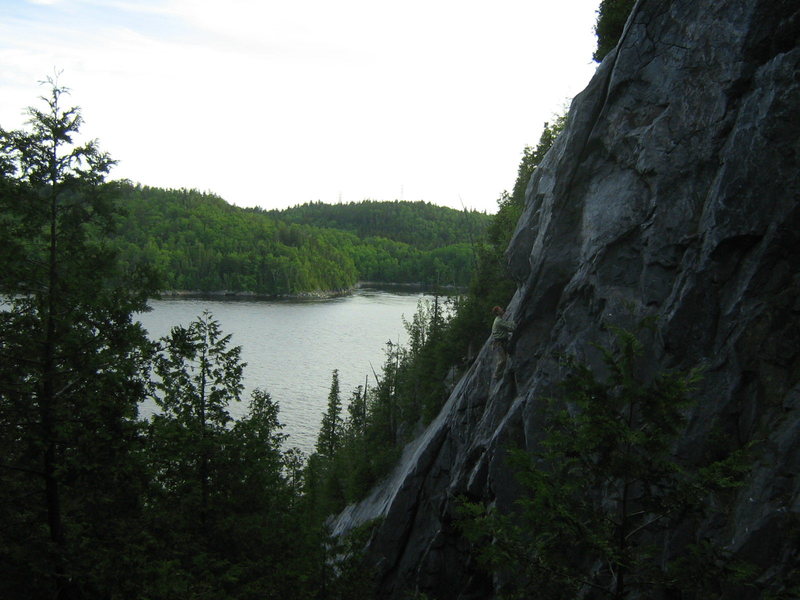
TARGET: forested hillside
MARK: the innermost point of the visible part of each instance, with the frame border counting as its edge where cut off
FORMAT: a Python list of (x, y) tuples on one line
[(197, 241), (420, 224), (360, 443), (641, 442), (99, 503)]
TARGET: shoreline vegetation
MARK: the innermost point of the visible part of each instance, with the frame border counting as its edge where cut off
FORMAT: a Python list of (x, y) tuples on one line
[(443, 290), (197, 241), (98, 504)]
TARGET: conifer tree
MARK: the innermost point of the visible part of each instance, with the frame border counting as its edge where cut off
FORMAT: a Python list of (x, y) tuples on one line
[(357, 473), (71, 362), (604, 484), (330, 434), (199, 375), (611, 18), (223, 512)]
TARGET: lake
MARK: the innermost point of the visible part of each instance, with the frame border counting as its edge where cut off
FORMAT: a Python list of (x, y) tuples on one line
[(292, 347)]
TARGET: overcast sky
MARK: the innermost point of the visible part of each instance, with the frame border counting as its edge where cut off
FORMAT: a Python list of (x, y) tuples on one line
[(275, 103)]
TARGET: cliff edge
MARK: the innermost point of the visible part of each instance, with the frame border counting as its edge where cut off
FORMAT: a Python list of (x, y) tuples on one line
[(673, 192)]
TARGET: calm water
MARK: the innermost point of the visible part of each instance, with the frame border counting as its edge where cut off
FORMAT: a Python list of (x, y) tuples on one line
[(292, 348)]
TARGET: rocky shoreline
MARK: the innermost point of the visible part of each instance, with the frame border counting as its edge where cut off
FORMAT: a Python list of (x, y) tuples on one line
[(313, 295), (245, 295)]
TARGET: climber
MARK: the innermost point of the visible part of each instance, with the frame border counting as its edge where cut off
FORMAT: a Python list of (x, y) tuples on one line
[(501, 332)]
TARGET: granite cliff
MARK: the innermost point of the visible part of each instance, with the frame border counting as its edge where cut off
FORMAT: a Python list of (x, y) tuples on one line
[(674, 192)]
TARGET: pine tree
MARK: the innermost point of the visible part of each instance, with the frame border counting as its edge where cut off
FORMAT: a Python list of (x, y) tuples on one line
[(199, 375), (603, 485), (611, 18), (71, 362), (223, 513), (330, 434)]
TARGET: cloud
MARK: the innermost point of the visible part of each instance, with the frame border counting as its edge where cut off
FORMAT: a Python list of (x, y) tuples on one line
[(279, 103)]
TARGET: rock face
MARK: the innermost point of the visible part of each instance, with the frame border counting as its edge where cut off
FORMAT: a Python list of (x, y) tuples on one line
[(674, 191)]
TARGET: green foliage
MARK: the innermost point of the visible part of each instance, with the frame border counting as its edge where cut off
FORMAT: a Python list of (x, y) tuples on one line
[(346, 574), (423, 372), (383, 260), (96, 504), (491, 283), (198, 376), (419, 224), (611, 18), (602, 487), (222, 509), (409, 390), (443, 334), (330, 434), (199, 242), (71, 364)]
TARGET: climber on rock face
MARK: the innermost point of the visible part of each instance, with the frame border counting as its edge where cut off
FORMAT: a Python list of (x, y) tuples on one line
[(501, 332)]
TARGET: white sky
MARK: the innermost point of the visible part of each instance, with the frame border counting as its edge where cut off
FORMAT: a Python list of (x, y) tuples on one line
[(275, 103)]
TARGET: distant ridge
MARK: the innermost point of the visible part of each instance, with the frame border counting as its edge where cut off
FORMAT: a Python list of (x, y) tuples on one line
[(197, 241), (417, 223)]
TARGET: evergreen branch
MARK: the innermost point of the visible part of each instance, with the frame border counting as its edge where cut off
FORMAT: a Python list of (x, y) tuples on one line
[(647, 524), (22, 470)]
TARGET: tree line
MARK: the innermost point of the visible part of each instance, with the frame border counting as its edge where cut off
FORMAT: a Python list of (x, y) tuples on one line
[(361, 438), (98, 503), (196, 241), (94, 501), (419, 224), (562, 539)]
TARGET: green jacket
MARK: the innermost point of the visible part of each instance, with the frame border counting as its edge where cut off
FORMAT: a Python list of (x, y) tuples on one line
[(501, 329)]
